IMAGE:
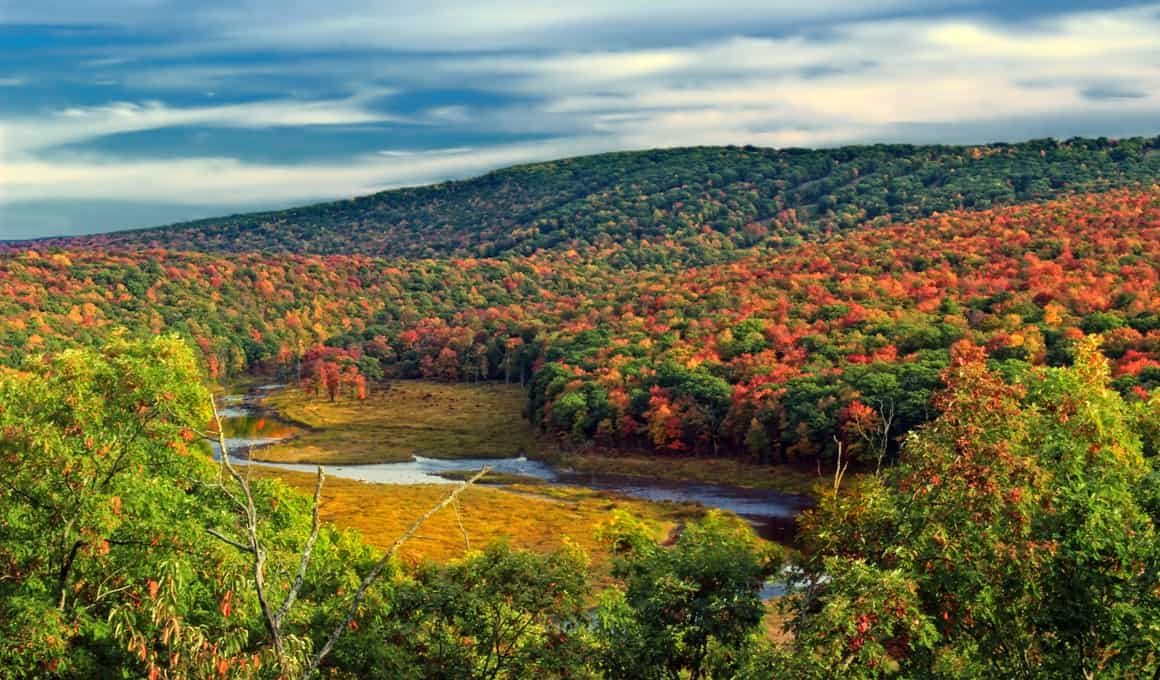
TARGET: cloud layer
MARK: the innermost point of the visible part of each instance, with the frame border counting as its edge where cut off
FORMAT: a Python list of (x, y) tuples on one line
[(256, 103)]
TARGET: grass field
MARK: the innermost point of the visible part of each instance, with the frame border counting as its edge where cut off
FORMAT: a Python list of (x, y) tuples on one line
[(444, 420), (783, 478), (408, 418), (531, 517)]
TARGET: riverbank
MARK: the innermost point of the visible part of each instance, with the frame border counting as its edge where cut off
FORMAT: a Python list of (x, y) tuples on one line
[(722, 471)]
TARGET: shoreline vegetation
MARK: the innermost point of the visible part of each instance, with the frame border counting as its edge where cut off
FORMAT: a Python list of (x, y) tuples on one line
[(401, 419)]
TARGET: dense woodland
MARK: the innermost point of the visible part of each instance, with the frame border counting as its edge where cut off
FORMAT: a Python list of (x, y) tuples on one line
[(977, 329), (766, 356)]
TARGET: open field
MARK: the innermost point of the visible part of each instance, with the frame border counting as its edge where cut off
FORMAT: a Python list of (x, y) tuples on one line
[(524, 516), (403, 420), (727, 471)]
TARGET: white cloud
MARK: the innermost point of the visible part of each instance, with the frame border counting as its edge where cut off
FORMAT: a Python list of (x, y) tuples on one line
[(83, 123), (866, 83), (449, 25), (198, 181)]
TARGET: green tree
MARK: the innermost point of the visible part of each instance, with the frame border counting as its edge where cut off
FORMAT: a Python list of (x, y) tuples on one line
[(499, 613), (1016, 538), (690, 610), (97, 493)]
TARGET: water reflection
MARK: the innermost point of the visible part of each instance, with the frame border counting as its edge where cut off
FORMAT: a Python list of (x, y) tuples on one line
[(247, 427)]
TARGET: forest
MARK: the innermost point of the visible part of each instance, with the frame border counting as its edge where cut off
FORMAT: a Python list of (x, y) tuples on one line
[(963, 341), (766, 357)]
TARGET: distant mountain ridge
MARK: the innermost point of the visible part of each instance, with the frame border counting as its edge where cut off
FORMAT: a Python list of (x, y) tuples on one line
[(739, 195)]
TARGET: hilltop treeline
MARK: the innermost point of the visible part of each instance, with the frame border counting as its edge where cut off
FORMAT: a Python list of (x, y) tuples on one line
[(714, 199)]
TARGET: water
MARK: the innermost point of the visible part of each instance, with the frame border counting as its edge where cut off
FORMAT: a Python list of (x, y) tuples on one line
[(248, 426), (423, 470)]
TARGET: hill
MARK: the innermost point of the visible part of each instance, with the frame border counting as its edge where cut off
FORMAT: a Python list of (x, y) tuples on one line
[(719, 197), (772, 353)]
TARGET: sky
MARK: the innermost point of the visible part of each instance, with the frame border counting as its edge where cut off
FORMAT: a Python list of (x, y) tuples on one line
[(129, 113)]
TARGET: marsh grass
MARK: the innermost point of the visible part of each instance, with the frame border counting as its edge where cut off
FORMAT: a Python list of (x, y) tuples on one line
[(494, 478), (404, 419), (533, 517), (727, 471)]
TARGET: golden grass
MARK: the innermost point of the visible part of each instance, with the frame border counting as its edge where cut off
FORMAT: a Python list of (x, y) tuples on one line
[(784, 478), (495, 478), (408, 418), (522, 515), (442, 420)]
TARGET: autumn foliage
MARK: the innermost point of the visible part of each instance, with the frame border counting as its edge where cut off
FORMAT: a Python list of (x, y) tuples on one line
[(767, 354)]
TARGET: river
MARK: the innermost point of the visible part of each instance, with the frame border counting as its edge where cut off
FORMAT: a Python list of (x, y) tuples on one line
[(771, 513)]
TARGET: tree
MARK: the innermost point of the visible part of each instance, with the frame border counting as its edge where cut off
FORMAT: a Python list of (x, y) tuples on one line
[(684, 608), (83, 527), (499, 613), (1014, 539), (294, 654)]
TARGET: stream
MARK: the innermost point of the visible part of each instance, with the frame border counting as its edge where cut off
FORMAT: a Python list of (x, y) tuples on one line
[(248, 425)]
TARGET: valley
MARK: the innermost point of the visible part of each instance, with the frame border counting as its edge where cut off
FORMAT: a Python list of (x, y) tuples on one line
[(750, 413)]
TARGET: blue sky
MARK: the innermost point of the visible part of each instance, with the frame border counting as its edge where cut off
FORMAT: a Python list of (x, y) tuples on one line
[(125, 113)]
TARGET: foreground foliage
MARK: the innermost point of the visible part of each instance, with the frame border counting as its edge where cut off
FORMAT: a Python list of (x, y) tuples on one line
[(108, 567), (1018, 538)]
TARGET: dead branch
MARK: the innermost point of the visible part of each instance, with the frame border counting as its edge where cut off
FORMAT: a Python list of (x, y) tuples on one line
[(307, 550), (375, 571), (839, 467), (273, 624), (462, 529), (253, 545)]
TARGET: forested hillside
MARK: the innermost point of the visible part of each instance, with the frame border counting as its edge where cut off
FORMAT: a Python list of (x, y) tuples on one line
[(993, 371), (766, 356), (719, 197)]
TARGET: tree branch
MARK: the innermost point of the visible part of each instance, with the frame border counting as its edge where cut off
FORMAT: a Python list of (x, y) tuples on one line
[(375, 571), (304, 562), (256, 549), (226, 539)]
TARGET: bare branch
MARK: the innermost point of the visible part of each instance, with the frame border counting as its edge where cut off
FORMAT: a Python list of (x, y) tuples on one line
[(839, 468), (259, 553), (304, 562), (375, 571), (209, 436), (462, 529), (226, 539)]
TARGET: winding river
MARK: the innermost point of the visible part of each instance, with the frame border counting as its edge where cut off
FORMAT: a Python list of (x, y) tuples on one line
[(771, 513)]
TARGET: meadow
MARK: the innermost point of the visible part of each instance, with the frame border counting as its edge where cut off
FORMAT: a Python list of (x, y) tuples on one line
[(404, 419), (526, 517)]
